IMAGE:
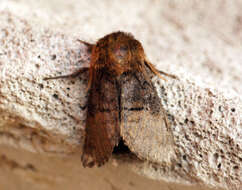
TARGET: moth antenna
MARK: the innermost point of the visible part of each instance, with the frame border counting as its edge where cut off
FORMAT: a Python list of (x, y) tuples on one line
[(90, 79), (89, 45), (154, 70), (158, 73), (168, 75)]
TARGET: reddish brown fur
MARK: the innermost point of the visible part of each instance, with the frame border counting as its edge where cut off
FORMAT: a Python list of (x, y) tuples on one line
[(111, 56), (109, 48)]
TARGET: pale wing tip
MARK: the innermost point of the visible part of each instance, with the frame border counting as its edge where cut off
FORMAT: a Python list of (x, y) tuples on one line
[(90, 161), (87, 160)]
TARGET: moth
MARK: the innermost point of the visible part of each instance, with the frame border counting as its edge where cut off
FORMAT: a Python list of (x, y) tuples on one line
[(121, 96)]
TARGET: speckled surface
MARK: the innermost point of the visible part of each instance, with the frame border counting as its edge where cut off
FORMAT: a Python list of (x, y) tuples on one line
[(204, 106)]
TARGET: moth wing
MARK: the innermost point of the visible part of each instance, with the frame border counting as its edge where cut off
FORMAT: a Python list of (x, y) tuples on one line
[(144, 125), (102, 125)]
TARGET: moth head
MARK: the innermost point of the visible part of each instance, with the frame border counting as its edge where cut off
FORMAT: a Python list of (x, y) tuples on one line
[(120, 53), (117, 53), (125, 52)]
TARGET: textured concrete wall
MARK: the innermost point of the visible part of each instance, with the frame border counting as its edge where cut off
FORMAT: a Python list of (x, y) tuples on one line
[(42, 122)]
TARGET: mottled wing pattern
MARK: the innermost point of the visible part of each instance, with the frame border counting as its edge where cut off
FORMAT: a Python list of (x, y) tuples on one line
[(102, 125), (144, 126)]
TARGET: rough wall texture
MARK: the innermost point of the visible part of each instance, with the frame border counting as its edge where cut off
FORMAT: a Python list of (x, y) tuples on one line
[(42, 122)]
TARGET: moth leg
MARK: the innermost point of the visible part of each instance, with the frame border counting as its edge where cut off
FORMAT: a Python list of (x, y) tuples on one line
[(72, 75)]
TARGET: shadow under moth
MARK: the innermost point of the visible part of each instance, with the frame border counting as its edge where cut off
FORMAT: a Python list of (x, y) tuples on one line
[(122, 100)]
